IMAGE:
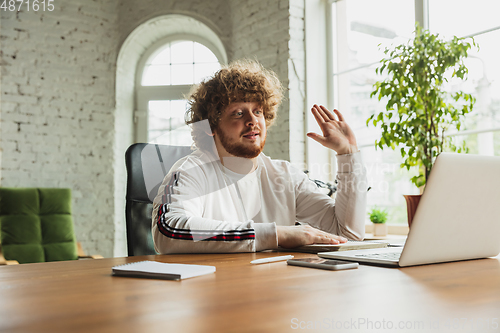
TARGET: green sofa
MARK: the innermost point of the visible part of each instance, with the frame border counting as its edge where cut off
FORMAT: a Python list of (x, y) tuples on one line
[(36, 225)]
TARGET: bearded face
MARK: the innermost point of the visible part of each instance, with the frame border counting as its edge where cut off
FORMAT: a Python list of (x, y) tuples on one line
[(250, 146), (241, 130)]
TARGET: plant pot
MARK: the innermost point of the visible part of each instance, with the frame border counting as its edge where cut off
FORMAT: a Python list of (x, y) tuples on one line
[(379, 229), (411, 206)]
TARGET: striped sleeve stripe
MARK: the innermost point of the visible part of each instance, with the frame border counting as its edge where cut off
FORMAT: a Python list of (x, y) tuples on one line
[(213, 235), (168, 188), (178, 230), (166, 198)]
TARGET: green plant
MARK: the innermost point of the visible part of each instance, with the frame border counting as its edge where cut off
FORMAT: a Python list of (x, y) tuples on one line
[(419, 110), (378, 215)]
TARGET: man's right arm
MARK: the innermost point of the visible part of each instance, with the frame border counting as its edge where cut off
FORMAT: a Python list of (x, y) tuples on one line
[(179, 225)]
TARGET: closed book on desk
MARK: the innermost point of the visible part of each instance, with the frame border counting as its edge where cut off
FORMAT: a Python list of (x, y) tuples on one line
[(161, 270), (350, 245)]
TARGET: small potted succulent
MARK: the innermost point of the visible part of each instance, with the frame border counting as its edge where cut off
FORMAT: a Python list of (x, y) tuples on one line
[(379, 217)]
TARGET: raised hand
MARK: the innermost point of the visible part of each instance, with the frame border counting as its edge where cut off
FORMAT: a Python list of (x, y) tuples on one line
[(337, 135)]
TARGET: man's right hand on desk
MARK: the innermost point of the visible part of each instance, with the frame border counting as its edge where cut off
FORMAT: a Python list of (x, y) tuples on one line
[(299, 235)]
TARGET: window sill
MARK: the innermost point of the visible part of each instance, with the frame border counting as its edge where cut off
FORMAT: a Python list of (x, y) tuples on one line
[(393, 229)]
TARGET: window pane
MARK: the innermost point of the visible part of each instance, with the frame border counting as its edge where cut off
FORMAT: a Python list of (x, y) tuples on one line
[(178, 109), (202, 71), (182, 52), (484, 82), (463, 17), (388, 183), (203, 54), (486, 143), (359, 27), (370, 23), (363, 29), (369, 26), (156, 75), (182, 74), (496, 142), (360, 85), (161, 57), (178, 63), (159, 116), (484, 68), (166, 123)]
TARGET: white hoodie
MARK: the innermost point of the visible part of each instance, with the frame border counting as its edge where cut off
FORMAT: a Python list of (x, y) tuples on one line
[(203, 207)]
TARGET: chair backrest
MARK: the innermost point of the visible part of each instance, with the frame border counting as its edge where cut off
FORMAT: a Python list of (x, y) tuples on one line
[(147, 165), (36, 224)]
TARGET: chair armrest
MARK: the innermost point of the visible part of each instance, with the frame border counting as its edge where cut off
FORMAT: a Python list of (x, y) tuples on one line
[(82, 255), (95, 256), (6, 262)]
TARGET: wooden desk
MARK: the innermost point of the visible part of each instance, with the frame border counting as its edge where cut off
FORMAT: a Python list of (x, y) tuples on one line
[(82, 296)]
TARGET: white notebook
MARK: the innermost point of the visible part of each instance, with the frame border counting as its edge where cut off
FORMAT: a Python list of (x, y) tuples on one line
[(161, 270)]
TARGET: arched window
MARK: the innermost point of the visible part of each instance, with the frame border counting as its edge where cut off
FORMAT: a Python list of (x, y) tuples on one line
[(166, 73)]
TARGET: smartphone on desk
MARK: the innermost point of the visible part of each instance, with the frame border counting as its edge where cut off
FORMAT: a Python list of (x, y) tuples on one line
[(334, 265)]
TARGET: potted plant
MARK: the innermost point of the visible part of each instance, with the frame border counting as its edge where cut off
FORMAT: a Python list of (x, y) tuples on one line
[(378, 217), (419, 109)]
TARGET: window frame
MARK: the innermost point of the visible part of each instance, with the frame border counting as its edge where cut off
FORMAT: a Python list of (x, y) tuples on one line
[(334, 42), (421, 16)]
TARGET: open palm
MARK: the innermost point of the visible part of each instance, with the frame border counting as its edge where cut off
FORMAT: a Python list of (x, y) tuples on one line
[(337, 134)]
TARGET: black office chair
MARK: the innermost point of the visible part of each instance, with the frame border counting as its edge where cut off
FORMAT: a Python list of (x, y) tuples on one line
[(147, 165)]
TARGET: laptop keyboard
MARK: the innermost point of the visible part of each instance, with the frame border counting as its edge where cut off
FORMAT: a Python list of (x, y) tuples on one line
[(383, 256)]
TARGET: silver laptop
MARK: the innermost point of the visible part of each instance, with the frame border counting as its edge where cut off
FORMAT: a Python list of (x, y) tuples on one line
[(458, 217)]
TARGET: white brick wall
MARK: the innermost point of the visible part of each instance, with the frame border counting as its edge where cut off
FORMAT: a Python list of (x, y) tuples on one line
[(60, 126), (296, 77), (215, 13), (57, 108)]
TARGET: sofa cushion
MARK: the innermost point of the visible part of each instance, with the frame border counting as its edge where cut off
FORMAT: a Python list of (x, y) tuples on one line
[(36, 224)]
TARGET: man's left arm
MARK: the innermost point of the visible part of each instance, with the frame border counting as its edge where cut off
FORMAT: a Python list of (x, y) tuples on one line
[(345, 216)]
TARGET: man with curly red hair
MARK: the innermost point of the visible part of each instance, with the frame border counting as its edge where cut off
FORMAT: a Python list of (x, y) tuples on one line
[(228, 196)]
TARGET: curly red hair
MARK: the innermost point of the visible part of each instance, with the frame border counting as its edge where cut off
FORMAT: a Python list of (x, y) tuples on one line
[(240, 81)]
